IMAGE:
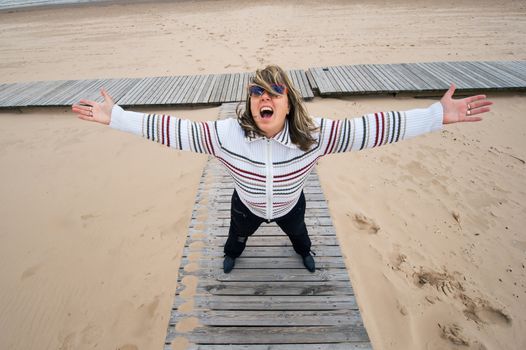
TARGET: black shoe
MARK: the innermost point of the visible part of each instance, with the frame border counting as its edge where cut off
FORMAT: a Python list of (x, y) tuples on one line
[(228, 264), (308, 262)]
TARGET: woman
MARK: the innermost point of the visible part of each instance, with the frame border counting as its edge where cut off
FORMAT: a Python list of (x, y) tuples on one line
[(274, 144)]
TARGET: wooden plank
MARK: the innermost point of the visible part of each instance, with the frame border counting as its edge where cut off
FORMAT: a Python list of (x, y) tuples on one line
[(148, 91), (312, 81), (205, 95), (267, 230), (353, 78), (68, 90), (488, 74), (309, 93), (346, 81), (319, 346), (177, 89), (36, 90), (386, 79), (515, 69), (412, 82), (202, 87), (198, 86), (304, 88), (272, 302), (263, 318), (457, 70), (158, 90), (232, 88), (265, 241), (274, 335), (216, 91), (434, 81), (264, 251), (142, 94), (510, 79), (183, 90), (188, 90), (163, 98), (359, 78), (277, 288), (242, 86), (131, 96), (446, 75), (323, 82), (225, 88), (478, 74), (12, 92), (417, 79), (342, 83), (289, 262), (378, 86), (269, 275), (90, 91)]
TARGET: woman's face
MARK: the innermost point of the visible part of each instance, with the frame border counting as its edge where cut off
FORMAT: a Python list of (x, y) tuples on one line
[(269, 112)]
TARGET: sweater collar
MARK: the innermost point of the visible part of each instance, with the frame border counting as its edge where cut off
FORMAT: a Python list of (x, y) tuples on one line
[(282, 137)]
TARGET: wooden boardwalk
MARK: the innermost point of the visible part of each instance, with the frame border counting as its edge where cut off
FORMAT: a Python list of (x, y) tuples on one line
[(419, 77), (215, 89), (269, 300)]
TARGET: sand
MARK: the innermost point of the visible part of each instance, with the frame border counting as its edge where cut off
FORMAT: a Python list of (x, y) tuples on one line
[(93, 221)]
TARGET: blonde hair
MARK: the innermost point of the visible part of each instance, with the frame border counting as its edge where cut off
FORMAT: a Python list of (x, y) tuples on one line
[(301, 125)]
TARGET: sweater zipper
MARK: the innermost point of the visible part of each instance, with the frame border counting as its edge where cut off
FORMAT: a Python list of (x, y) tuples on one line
[(269, 180)]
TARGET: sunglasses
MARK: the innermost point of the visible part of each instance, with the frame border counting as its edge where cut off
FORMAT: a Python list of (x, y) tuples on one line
[(257, 91)]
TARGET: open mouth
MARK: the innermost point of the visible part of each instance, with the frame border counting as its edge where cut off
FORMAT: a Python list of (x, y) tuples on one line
[(266, 112)]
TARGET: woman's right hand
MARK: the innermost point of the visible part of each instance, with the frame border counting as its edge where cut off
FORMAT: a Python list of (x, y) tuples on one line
[(94, 111)]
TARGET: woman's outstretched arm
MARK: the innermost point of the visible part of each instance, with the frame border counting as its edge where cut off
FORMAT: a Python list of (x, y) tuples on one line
[(182, 134), (377, 129)]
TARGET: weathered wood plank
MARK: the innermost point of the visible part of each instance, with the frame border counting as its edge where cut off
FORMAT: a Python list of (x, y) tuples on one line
[(176, 89), (288, 262), (324, 346), (262, 318), (277, 288), (265, 241), (168, 90), (270, 302), (274, 335)]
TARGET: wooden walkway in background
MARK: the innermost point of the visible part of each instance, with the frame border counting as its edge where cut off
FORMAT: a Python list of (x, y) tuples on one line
[(269, 300), (214, 89)]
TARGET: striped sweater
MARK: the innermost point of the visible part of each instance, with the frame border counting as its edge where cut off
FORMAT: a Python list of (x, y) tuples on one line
[(269, 174)]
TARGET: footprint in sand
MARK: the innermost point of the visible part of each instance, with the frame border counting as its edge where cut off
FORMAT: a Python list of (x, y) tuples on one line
[(365, 224), (476, 309), (453, 333), (481, 312), (442, 281)]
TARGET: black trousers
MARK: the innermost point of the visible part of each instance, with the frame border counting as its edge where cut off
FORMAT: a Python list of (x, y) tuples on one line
[(243, 224)]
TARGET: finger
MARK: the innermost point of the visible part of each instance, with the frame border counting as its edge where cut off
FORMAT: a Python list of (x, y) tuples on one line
[(105, 94), (449, 93), (471, 99), (479, 104), (88, 102), (480, 110), (78, 108)]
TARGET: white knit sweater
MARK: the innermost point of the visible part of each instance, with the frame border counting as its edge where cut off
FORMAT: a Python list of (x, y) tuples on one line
[(269, 174)]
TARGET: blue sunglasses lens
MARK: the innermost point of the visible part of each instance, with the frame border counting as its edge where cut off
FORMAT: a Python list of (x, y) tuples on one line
[(256, 90), (280, 89)]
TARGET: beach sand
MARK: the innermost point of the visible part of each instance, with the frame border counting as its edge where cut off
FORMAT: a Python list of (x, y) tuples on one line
[(93, 221)]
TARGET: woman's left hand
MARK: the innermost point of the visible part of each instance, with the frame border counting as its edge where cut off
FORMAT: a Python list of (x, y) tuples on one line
[(465, 109)]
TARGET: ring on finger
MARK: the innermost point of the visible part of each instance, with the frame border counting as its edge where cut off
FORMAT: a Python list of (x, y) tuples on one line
[(469, 106), (469, 112)]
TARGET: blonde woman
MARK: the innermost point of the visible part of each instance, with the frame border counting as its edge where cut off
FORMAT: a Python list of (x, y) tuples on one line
[(274, 144)]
